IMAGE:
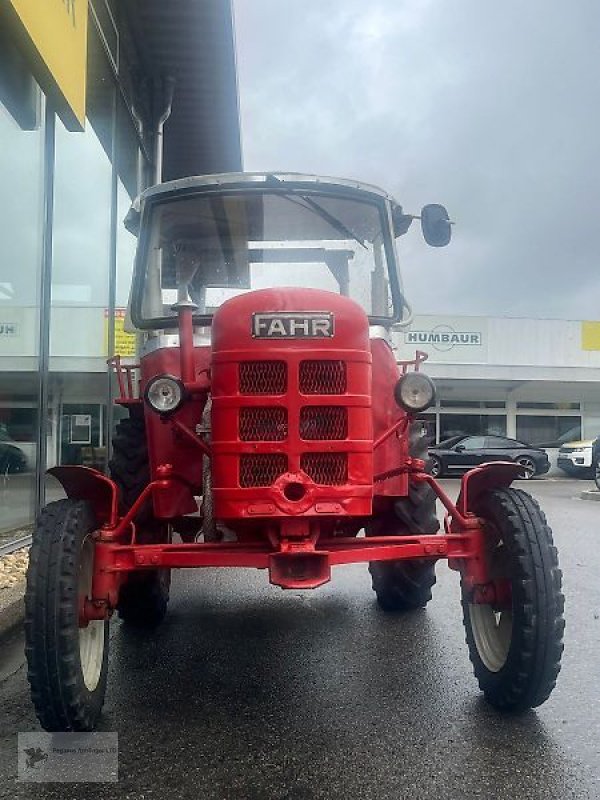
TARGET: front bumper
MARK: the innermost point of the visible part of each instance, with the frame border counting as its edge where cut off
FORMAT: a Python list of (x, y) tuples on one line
[(579, 459)]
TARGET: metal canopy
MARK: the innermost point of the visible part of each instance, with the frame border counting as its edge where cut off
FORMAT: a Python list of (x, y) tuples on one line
[(193, 41)]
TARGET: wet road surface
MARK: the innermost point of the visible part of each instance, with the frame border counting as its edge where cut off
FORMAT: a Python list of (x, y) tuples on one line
[(250, 692)]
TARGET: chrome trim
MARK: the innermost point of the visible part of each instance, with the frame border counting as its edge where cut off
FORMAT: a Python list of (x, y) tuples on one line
[(262, 179)]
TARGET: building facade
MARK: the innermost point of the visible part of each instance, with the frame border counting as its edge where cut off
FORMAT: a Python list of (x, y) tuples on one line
[(536, 380), (147, 94)]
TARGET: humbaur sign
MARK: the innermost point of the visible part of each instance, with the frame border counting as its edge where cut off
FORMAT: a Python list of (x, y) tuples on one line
[(443, 337)]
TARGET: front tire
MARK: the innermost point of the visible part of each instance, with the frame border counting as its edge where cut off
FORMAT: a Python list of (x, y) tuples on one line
[(516, 644), (67, 664)]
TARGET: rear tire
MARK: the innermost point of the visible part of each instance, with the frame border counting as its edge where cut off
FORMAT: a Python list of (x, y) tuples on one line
[(144, 596), (516, 651), (406, 585), (67, 665)]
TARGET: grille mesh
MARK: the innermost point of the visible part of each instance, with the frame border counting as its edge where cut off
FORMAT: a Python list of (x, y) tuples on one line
[(328, 469), (263, 377), (261, 469), (323, 422), (267, 424), (322, 377)]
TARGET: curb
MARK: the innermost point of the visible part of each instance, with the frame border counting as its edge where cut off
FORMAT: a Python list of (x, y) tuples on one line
[(12, 608), (590, 494)]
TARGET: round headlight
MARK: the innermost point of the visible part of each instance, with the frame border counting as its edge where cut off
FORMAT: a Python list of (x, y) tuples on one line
[(164, 394), (415, 392)]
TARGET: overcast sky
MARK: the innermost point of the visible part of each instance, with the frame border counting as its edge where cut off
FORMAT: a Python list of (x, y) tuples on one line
[(490, 108)]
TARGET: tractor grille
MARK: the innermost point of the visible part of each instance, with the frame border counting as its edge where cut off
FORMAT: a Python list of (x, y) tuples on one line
[(263, 377), (323, 422), (328, 469), (323, 377), (261, 469), (268, 424)]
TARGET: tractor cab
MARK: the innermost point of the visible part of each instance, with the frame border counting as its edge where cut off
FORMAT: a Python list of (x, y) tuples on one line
[(206, 240)]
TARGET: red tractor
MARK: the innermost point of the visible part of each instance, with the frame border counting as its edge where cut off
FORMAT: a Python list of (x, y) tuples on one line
[(269, 425)]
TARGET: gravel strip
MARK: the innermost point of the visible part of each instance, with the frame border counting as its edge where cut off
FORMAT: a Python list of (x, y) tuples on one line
[(13, 568)]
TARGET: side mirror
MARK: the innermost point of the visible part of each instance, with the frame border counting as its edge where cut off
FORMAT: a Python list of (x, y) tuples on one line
[(436, 225), (459, 448)]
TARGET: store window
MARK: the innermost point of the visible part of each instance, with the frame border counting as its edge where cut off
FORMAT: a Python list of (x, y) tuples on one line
[(548, 431), (21, 230), (472, 425), (82, 262)]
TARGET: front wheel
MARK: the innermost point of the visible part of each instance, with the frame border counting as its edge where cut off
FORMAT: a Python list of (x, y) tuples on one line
[(67, 664), (516, 641)]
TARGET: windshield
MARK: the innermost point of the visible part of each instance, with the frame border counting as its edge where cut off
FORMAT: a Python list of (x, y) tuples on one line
[(222, 245)]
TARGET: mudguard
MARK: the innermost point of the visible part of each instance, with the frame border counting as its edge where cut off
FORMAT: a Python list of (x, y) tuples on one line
[(84, 483), (493, 475)]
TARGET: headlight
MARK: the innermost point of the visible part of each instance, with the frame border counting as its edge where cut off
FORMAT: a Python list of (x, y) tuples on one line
[(415, 392), (164, 394)]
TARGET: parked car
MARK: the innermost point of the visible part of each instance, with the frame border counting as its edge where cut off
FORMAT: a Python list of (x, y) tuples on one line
[(596, 461), (575, 458), (461, 453), (12, 458)]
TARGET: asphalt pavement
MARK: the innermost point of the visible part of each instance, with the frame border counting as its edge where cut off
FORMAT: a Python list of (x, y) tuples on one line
[(247, 691)]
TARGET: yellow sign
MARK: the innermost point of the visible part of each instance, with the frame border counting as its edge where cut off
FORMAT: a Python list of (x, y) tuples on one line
[(57, 32), (590, 335), (125, 343)]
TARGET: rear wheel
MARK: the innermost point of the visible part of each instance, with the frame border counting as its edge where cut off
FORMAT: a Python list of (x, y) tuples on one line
[(434, 466), (516, 641), (144, 596), (529, 468), (67, 664), (406, 585)]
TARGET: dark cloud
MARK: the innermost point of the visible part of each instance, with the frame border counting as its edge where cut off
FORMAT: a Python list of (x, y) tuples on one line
[(490, 108)]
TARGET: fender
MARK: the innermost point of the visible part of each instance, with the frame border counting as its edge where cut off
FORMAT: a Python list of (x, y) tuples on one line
[(84, 483), (493, 475)]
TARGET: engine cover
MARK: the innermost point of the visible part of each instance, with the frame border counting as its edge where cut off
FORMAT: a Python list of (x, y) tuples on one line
[(291, 406)]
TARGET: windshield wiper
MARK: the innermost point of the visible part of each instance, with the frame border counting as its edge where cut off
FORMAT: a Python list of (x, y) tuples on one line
[(335, 223)]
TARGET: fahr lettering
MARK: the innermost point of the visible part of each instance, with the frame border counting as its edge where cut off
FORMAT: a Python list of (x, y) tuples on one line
[(280, 326)]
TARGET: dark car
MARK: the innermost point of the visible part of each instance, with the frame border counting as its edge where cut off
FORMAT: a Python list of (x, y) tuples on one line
[(461, 453), (12, 458)]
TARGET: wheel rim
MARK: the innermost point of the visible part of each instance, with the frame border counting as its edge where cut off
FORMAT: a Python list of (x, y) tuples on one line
[(528, 468), (492, 631), (91, 638)]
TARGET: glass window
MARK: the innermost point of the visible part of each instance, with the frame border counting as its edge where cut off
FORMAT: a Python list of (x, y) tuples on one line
[(554, 406), (471, 424), (500, 443), (21, 231), (222, 246), (82, 262), (548, 431), (473, 443)]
